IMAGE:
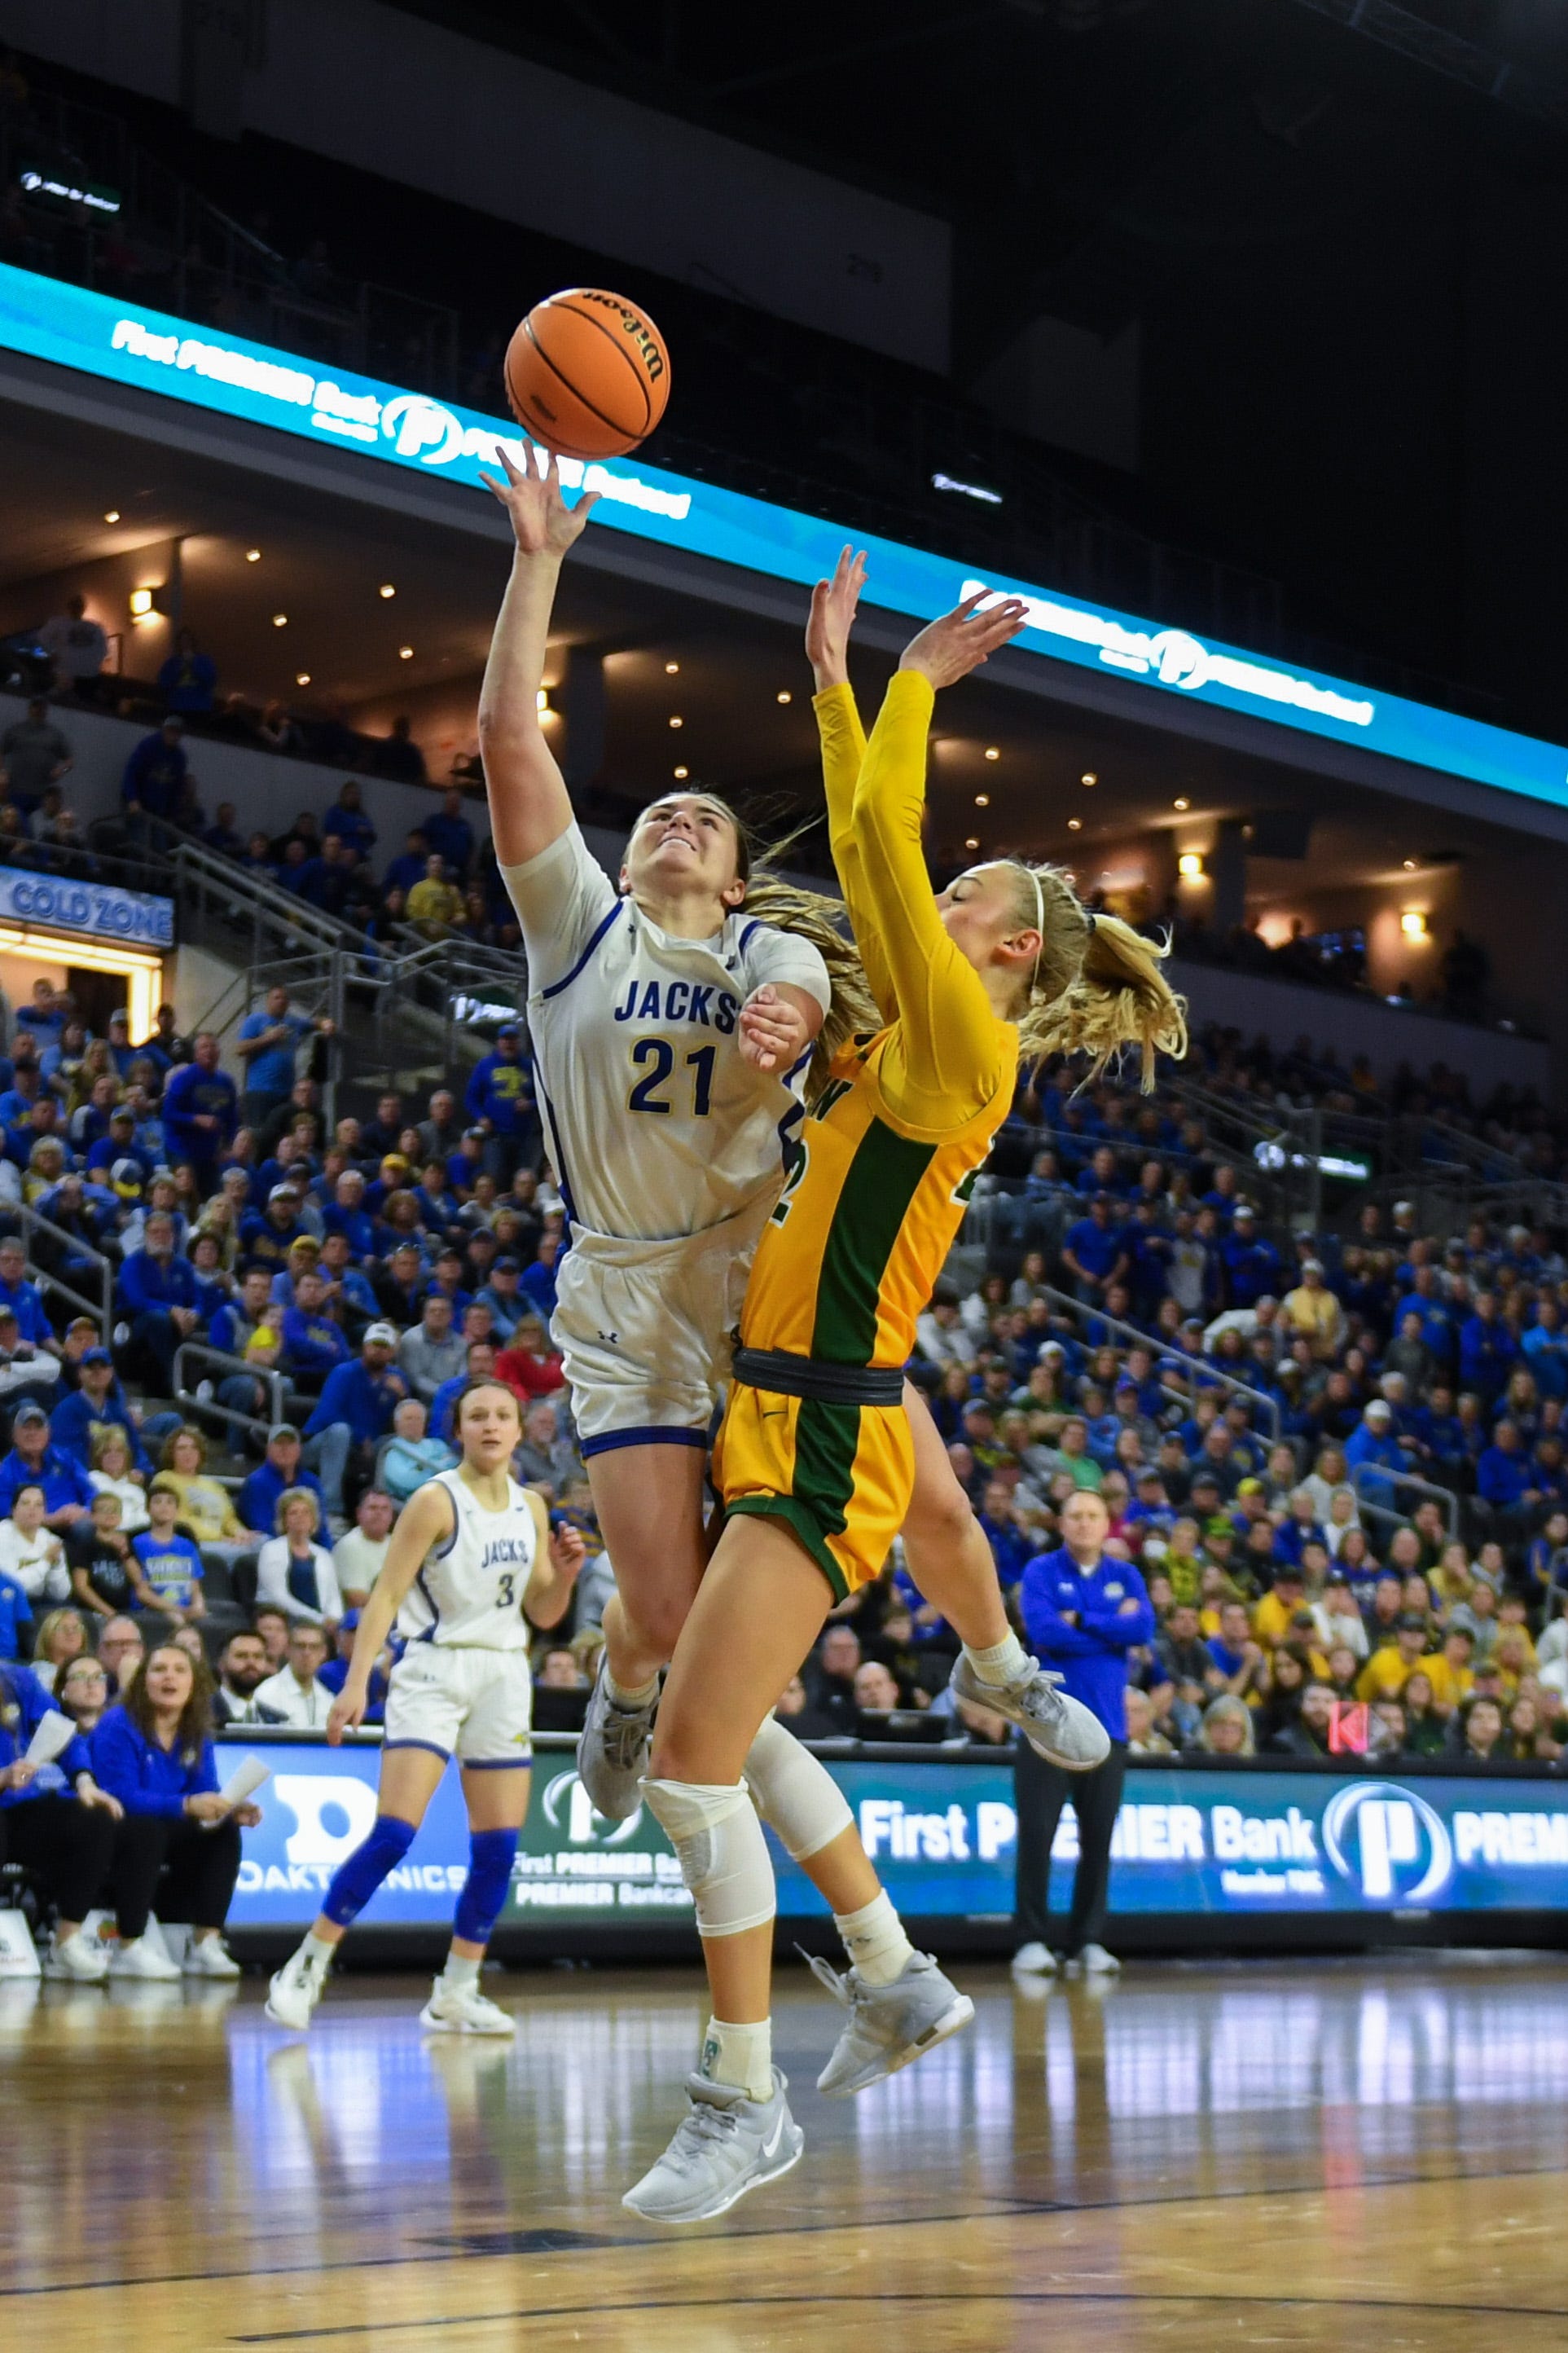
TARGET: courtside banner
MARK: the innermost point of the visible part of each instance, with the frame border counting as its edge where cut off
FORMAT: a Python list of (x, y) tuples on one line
[(943, 1837), (124, 343)]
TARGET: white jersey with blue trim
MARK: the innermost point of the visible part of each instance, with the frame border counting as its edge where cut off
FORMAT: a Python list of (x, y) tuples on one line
[(656, 1127), (467, 1595)]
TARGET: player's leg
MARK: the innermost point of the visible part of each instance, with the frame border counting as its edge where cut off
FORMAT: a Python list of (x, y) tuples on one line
[(756, 1616), (410, 1772), (947, 1556), (493, 1753), (648, 1503)]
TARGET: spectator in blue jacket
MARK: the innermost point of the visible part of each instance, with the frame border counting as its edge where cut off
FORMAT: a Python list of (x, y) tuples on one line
[(313, 1345), (1372, 1442), (1094, 1254), (1508, 1480), (157, 1294), (1252, 1265), (347, 819), (353, 1414), (201, 1111), (16, 1291), (1545, 1346), (155, 773), (405, 871), (1083, 1611), (154, 1754), (1487, 1349), (33, 1461), (55, 1821), (537, 1282), (500, 1097), (450, 835), (99, 1399), (188, 680), (280, 1468)]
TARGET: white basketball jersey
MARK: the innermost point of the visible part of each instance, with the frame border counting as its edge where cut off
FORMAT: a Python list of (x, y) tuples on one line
[(468, 1593), (656, 1127)]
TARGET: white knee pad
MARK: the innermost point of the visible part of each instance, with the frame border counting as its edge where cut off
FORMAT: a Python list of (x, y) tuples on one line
[(795, 1792), (723, 1853)]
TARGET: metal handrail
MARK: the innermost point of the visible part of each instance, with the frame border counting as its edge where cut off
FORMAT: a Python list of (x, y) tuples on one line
[(101, 1310), (1211, 1375), (274, 1381), (1444, 1495)]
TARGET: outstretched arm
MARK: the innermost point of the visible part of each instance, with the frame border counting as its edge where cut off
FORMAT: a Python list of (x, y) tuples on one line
[(834, 604), (530, 808), (946, 1059)]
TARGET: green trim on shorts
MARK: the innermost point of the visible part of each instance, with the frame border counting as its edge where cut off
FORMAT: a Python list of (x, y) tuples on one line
[(802, 1525)]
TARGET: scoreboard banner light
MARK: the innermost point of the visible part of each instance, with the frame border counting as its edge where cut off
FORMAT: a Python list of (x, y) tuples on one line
[(99, 335)]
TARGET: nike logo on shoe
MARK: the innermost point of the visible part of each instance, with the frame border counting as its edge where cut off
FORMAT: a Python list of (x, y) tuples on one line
[(770, 2148)]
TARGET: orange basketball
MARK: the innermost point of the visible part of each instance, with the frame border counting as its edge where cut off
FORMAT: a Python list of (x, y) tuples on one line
[(587, 374)]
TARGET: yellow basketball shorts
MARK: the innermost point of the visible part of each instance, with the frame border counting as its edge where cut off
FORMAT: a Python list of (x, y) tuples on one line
[(838, 1476)]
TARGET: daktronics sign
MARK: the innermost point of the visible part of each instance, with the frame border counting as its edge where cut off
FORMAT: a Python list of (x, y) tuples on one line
[(943, 1836), (74, 328)]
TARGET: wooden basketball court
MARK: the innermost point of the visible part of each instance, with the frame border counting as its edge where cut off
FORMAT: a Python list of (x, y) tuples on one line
[(1317, 2155)]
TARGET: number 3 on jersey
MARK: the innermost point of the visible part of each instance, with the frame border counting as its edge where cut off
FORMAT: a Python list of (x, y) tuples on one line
[(655, 1057)]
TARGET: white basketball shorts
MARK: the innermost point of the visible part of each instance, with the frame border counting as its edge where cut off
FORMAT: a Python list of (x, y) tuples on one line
[(471, 1704), (645, 1329)]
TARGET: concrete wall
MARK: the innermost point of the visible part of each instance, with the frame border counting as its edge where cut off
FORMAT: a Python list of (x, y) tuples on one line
[(1387, 1035), (431, 109)]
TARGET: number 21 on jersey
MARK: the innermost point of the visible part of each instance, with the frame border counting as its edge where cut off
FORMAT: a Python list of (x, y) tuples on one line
[(654, 1091)]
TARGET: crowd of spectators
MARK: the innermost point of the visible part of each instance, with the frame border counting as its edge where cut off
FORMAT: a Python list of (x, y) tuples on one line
[(1334, 1464)]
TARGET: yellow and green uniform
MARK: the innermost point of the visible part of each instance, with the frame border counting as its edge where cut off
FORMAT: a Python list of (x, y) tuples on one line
[(814, 1433)]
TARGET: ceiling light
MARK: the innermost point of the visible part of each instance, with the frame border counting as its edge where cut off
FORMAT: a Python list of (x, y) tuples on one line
[(1181, 802), (1410, 866), (280, 620), (1190, 864), (406, 653), (1075, 825), (1413, 924), (253, 555), (677, 722), (112, 516), (966, 489), (141, 602), (672, 670), (682, 774), (301, 678), (542, 700), (784, 695), (972, 842), (981, 800), (992, 753), (1088, 778), (387, 589)]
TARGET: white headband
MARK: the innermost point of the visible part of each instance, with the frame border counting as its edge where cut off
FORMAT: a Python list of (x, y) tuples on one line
[(1039, 926)]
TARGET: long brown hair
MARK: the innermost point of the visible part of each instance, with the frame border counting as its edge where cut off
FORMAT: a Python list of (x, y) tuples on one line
[(195, 1724), (808, 915)]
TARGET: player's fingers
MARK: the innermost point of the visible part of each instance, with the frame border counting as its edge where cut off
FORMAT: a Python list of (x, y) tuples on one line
[(586, 504)]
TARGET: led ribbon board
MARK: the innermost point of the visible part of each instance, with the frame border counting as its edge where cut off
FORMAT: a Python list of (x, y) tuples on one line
[(124, 344)]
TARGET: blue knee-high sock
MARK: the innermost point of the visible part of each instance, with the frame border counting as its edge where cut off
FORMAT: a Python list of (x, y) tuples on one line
[(490, 1856), (356, 1881)]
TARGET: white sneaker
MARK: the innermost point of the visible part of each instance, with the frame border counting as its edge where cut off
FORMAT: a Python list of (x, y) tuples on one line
[(1035, 1960), (1094, 1961), (76, 1957), (140, 1958), (293, 1994), (209, 1956), (464, 2009)]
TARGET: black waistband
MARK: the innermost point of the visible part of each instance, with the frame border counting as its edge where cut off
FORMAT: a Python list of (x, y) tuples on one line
[(808, 1376)]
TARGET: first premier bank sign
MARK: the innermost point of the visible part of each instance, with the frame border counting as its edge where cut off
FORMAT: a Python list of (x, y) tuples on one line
[(55, 902)]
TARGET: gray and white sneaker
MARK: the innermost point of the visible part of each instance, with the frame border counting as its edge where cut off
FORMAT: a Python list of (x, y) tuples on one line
[(889, 2025), (613, 1754), (725, 2145), (1061, 1730)]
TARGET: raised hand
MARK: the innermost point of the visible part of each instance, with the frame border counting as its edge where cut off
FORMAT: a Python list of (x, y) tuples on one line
[(772, 1032), (833, 607), (949, 649), (567, 1551), (541, 521)]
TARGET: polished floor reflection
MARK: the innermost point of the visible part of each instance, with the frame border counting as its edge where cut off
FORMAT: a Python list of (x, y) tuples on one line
[(1318, 2155)]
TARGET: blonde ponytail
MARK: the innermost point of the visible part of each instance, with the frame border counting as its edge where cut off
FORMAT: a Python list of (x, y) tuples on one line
[(1097, 984)]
